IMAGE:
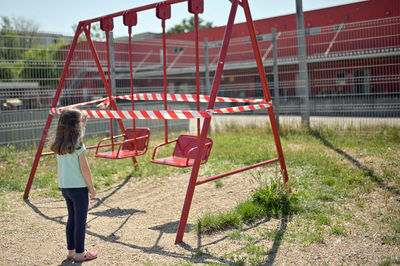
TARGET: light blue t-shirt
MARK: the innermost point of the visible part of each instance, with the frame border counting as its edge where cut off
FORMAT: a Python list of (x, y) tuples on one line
[(69, 170)]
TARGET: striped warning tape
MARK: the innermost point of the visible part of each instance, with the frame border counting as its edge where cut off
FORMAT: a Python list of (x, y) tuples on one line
[(156, 114), (242, 108), (178, 98), (164, 114), (87, 103)]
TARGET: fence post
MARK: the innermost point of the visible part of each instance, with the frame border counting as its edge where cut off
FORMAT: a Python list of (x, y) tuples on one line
[(303, 71), (207, 87), (112, 76), (276, 79), (206, 67)]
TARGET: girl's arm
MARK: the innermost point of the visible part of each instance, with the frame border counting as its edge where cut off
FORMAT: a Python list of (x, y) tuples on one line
[(87, 175)]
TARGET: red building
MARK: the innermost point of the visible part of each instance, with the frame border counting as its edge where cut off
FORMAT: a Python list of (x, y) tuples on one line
[(352, 50)]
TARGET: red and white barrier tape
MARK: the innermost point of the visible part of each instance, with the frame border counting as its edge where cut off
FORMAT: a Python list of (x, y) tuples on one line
[(156, 114), (178, 98), (242, 108), (164, 114), (87, 103)]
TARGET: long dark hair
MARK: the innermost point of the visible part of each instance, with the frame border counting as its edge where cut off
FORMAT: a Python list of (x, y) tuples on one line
[(68, 135)]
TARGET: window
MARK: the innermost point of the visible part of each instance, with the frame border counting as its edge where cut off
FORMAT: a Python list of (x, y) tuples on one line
[(340, 81), (262, 37), (340, 78), (176, 50), (258, 87), (361, 81), (270, 81), (215, 44), (337, 27), (313, 31)]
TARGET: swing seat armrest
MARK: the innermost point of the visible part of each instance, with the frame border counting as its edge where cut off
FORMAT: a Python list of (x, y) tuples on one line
[(160, 145), (119, 143), (107, 139), (132, 140), (207, 149)]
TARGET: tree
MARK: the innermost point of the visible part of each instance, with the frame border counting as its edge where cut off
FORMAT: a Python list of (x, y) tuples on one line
[(96, 34), (187, 25), (24, 25), (42, 64), (8, 40), (16, 34), (26, 29), (5, 23), (21, 57), (14, 38)]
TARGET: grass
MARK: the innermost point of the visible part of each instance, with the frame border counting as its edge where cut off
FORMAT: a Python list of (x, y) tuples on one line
[(331, 175), (339, 230), (218, 183), (270, 199), (105, 172), (390, 261), (326, 171)]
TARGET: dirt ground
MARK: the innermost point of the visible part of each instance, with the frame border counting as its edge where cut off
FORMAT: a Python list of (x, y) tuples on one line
[(135, 222)]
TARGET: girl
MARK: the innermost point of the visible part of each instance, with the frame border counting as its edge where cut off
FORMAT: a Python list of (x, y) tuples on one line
[(74, 179)]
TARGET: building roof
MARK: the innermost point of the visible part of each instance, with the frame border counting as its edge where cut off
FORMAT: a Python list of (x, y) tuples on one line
[(355, 12), (367, 27)]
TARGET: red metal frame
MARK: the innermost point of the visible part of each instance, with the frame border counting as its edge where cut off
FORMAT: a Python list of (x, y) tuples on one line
[(217, 77), (102, 75), (264, 84), (50, 117), (206, 124), (163, 12)]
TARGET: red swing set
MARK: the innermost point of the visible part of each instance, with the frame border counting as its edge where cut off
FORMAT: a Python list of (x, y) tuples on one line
[(190, 150)]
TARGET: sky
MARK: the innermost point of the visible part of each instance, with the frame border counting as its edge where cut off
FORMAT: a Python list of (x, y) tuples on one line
[(60, 16)]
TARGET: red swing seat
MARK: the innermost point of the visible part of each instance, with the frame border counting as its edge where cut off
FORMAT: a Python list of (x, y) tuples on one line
[(135, 143), (185, 151)]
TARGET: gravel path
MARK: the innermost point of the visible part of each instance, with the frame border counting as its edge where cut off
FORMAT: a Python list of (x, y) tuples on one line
[(135, 223)]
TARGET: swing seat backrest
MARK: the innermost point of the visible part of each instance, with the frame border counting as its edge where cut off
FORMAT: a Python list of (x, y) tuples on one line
[(185, 151), (141, 136), (187, 146)]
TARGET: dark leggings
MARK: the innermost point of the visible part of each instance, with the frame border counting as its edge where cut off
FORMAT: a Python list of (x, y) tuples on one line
[(77, 203)]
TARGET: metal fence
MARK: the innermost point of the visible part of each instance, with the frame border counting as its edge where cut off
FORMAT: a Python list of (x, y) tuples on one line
[(353, 76)]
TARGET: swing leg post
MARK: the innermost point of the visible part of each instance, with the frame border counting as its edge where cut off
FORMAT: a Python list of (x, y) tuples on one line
[(192, 183), (206, 124), (37, 157), (264, 84), (103, 77), (50, 117)]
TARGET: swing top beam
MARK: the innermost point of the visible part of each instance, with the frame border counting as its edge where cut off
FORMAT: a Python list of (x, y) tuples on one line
[(137, 9)]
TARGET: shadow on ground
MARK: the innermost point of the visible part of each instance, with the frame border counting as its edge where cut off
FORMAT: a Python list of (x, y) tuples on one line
[(367, 171), (168, 228)]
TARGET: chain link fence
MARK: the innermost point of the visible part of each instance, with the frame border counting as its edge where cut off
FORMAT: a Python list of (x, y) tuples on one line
[(353, 76)]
